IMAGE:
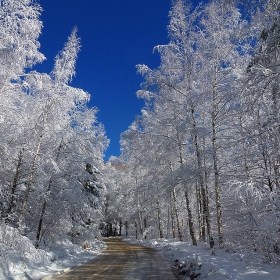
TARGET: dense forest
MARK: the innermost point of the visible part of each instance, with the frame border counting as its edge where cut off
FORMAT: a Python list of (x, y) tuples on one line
[(201, 163)]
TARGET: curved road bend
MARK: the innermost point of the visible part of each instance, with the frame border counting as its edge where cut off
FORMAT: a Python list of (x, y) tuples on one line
[(122, 261)]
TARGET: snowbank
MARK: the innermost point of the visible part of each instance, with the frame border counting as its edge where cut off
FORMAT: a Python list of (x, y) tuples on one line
[(199, 262), (19, 259)]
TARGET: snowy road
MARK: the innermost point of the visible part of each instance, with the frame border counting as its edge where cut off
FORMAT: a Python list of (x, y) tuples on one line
[(125, 261)]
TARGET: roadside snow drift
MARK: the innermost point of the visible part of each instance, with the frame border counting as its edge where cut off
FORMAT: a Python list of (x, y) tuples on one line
[(19, 259), (199, 262)]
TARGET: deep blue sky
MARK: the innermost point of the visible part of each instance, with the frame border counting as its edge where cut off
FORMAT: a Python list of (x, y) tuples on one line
[(115, 35)]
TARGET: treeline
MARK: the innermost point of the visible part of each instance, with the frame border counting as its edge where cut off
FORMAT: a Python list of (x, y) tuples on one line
[(52, 174), (201, 163)]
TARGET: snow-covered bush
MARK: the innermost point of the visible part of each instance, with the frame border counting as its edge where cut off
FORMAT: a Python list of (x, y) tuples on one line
[(17, 252)]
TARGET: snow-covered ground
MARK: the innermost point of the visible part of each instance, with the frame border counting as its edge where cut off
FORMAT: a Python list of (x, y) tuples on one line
[(20, 260), (203, 263), (68, 258)]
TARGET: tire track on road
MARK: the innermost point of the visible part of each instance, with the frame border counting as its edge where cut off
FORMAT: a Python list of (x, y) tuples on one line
[(122, 260)]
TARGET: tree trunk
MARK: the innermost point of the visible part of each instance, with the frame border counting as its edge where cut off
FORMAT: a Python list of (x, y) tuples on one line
[(201, 219), (126, 228), (15, 182), (40, 224), (172, 222), (136, 231), (140, 222), (191, 225), (30, 181), (145, 227), (177, 216), (216, 172), (276, 162), (42, 216), (190, 218), (120, 228), (266, 159), (205, 206), (159, 221), (45, 200), (205, 200)]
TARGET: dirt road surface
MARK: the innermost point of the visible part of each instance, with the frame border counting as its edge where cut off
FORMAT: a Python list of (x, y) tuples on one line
[(122, 261)]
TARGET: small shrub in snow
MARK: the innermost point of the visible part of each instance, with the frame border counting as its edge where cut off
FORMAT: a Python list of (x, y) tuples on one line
[(187, 269)]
